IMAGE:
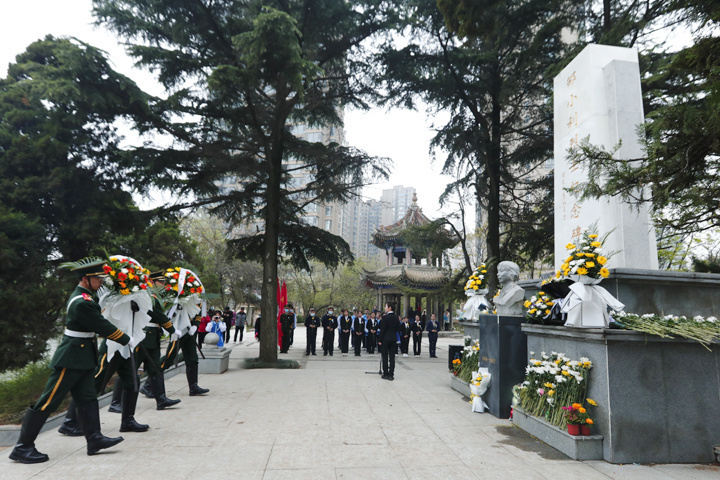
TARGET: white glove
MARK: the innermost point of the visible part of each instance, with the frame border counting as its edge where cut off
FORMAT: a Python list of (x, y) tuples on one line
[(193, 329), (174, 337), (131, 344)]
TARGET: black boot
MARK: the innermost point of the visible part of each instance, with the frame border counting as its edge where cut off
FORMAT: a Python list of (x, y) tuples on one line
[(89, 416), (158, 386), (70, 426), (147, 388), (191, 371), (116, 403), (24, 450), (128, 424)]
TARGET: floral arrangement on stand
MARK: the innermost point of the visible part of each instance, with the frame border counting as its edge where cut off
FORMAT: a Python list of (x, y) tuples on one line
[(552, 382), (476, 288), (191, 285), (586, 303)]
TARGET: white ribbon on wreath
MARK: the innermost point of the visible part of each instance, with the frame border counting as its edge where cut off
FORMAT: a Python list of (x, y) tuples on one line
[(586, 304), (184, 309), (475, 304), (117, 309)]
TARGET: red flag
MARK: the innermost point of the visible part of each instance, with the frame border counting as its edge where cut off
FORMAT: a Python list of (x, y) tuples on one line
[(281, 307)]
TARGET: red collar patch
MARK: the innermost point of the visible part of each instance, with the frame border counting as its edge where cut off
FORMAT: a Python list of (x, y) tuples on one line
[(85, 296)]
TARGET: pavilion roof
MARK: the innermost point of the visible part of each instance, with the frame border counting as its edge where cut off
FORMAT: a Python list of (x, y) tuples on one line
[(416, 276), (386, 237)]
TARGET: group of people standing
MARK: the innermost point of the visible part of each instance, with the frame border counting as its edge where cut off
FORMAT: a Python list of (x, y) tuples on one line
[(221, 322)]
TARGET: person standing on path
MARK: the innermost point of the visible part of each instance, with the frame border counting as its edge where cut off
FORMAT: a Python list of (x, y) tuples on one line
[(417, 330), (432, 328), (240, 320), (287, 319), (405, 333), (329, 324), (345, 322), (371, 327), (312, 322), (228, 316), (73, 366), (358, 333), (387, 340)]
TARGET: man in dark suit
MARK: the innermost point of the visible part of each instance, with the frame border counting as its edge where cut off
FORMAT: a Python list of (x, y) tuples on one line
[(432, 329), (387, 339)]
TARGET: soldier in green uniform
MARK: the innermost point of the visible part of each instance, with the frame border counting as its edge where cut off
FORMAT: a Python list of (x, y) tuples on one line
[(73, 367), (188, 345), (155, 385)]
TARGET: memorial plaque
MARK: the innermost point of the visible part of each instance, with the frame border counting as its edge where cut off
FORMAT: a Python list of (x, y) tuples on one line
[(598, 95)]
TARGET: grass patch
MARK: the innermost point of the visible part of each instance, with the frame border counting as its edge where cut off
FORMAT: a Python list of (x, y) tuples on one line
[(279, 363), (21, 389)]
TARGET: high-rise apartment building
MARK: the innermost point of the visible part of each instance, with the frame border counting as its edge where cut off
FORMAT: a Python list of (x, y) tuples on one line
[(396, 202)]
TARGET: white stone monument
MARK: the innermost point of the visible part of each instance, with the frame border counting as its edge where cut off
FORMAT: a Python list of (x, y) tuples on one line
[(598, 95)]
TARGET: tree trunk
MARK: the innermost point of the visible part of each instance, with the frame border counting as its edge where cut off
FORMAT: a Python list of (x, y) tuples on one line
[(268, 328)]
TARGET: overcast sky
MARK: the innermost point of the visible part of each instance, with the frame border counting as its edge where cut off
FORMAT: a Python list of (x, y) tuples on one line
[(401, 135)]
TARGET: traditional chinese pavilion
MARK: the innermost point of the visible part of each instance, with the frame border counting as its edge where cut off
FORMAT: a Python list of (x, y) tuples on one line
[(405, 275)]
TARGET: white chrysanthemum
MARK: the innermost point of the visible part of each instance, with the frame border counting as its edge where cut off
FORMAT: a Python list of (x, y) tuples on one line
[(712, 319), (173, 281), (584, 359), (124, 270), (135, 288), (698, 319)]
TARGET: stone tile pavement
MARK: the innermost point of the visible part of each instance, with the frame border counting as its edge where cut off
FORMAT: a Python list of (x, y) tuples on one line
[(335, 418)]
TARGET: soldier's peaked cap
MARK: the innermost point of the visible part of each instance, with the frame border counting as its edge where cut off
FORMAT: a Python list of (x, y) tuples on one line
[(87, 267)]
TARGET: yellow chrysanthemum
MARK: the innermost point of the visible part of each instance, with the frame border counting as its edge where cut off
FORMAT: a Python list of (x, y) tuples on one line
[(582, 271), (604, 272), (596, 244), (527, 303), (570, 246), (589, 264), (547, 312), (532, 312), (593, 236), (602, 260), (592, 402), (125, 292)]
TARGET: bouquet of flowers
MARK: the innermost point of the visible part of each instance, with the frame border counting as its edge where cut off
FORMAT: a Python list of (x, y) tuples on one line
[(476, 289), (550, 383), (477, 280), (191, 284), (539, 308), (576, 414), (479, 385), (184, 290), (125, 276), (470, 360), (125, 301), (586, 304), (456, 366), (587, 258)]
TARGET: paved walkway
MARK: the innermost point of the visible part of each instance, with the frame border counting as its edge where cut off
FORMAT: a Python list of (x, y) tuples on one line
[(335, 418)]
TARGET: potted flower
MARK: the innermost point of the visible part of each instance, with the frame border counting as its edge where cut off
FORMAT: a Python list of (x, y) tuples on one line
[(456, 366), (578, 419)]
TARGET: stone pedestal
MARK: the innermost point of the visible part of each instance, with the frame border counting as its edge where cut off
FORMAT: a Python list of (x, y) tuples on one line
[(576, 447), (460, 386), (503, 351), (660, 292), (658, 399), (216, 360)]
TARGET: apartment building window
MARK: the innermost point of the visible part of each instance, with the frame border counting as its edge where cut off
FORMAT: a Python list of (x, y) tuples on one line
[(311, 207), (328, 211), (314, 137), (311, 220), (328, 225), (297, 129)]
